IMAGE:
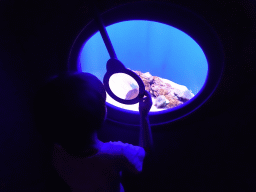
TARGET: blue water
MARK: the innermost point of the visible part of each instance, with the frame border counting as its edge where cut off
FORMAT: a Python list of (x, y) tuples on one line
[(148, 46)]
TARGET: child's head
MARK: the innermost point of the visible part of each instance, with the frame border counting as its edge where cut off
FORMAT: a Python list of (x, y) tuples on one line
[(69, 108)]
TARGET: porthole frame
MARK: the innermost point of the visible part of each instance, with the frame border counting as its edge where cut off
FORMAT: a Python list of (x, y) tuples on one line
[(175, 16)]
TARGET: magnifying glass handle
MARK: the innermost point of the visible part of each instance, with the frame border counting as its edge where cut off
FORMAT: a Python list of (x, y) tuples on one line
[(104, 33)]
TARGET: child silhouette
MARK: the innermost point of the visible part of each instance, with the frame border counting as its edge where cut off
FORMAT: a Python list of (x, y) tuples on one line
[(68, 112)]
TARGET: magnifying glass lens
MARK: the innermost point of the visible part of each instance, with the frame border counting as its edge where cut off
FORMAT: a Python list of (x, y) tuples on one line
[(124, 86)]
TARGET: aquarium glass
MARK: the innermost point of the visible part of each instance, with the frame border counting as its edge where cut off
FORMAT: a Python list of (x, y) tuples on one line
[(146, 46)]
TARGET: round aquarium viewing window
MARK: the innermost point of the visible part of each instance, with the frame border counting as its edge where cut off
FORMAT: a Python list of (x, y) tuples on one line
[(179, 64), (171, 64)]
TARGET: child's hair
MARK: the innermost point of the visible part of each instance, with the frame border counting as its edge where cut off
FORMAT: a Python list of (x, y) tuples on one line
[(69, 108)]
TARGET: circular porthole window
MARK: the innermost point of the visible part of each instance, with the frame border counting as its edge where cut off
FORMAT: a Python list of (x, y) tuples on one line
[(176, 54)]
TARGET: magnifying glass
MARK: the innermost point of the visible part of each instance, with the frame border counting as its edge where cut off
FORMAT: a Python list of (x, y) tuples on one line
[(122, 84)]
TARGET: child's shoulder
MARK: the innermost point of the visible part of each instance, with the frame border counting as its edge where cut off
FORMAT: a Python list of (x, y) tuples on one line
[(121, 147), (132, 154)]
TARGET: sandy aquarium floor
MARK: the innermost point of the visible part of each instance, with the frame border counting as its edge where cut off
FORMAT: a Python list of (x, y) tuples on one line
[(134, 107)]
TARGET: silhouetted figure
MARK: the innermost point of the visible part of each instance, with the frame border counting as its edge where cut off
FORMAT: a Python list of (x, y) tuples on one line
[(68, 112)]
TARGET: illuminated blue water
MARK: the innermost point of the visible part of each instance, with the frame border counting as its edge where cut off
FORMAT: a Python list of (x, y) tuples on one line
[(147, 46)]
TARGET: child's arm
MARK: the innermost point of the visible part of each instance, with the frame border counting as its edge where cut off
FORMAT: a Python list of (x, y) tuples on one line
[(145, 139), (136, 154)]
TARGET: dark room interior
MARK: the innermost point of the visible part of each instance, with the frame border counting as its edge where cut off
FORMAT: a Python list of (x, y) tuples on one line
[(210, 149)]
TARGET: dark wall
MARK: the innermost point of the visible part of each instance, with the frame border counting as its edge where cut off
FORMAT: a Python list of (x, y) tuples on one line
[(209, 150)]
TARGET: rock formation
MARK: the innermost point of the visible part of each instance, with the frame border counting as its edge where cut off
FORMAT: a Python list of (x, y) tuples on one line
[(165, 93)]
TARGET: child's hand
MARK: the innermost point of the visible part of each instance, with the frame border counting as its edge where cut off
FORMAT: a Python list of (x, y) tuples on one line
[(145, 104)]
